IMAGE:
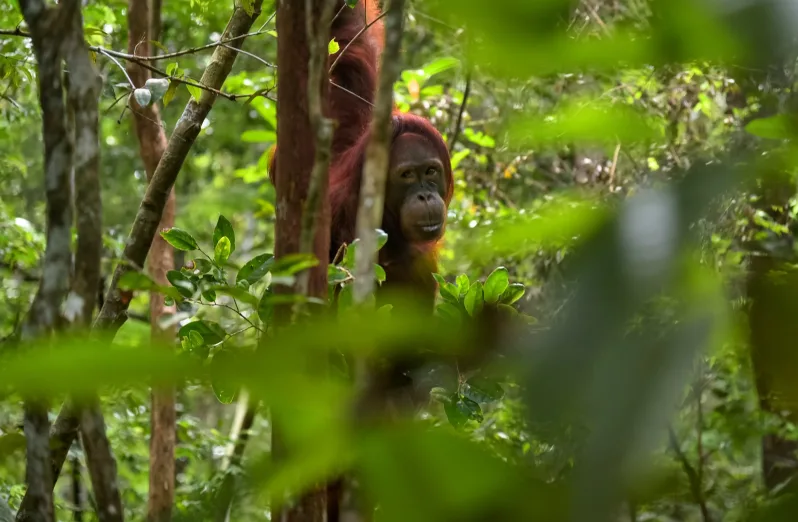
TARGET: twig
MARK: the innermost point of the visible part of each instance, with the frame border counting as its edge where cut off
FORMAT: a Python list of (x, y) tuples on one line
[(104, 52), (251, 55), (692, 475), (352, 93), (458, 124), (375, 168), (370, 214)]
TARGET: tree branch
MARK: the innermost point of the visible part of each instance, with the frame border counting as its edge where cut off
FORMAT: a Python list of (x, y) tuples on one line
[(459, 123)]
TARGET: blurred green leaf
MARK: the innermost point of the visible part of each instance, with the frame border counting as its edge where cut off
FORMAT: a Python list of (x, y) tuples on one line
[(292, 263), (225, 391), (133, 280), (212, 334), (777, 127)]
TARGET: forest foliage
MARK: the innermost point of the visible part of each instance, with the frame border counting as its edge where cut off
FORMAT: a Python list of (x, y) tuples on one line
[(624, 201)]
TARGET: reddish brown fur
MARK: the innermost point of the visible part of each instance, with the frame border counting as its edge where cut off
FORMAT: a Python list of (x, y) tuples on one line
[(407, 265)]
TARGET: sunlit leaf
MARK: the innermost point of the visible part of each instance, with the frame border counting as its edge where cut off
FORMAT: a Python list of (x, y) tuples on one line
[(496, 284), (222, 251), (474, 299), (180, 239), (513, 293), (224, 229)]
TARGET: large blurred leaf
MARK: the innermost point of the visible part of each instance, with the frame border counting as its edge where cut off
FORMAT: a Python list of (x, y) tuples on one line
[(587, 369), (429, 475)]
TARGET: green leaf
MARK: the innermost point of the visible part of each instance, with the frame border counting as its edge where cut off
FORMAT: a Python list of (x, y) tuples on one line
[(439, 65), (460, 410), (379, 273), (203, 265), (173, 69), (269, 300), (209, 295), (382, 238), (349, 255), (254, 270), (496, 284), (450, 292), (258, 136), (474, 299), (439, 278), (225, 390), (237, 293), (777, 127), (180, 239), (513, 293), (333, 47), (136, 281), (337, 275), (170, 92), (222, 251), (224, 229), (481, 389), (449, 311), (462, 284), (212, 334), (182, 282), (195, 339), (195, 92), (351, 3), (293, 263)]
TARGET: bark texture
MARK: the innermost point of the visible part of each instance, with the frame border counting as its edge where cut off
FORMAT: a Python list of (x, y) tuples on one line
[(296, 156), (152, 144)]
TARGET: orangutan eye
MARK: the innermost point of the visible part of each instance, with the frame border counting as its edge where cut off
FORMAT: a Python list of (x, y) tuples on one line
[(407, 174), (432, 171)]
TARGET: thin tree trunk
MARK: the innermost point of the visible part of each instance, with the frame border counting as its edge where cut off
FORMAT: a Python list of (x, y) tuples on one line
[(152, 144), (296, 159), (44, 316)]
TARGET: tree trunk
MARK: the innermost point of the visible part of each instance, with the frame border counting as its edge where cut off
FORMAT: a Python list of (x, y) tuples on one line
[(152, 144), (295, 161)]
